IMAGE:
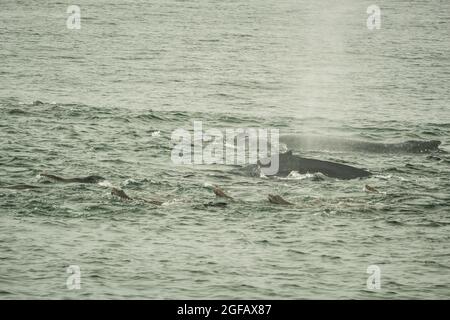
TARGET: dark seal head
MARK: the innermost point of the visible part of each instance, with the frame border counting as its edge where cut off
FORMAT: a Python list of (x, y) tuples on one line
[(93, 179), (220, 193), (215, 204), (120, 193), (276, 199), (368, 188), (88, 179)]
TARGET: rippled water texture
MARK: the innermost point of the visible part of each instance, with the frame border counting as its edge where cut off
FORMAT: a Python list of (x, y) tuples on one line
[(115, 90)]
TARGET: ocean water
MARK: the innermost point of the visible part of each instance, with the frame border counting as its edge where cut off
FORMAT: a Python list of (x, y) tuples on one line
[(113, 93)]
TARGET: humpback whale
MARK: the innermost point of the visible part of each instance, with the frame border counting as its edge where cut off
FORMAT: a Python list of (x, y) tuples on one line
[(298, 142), (289, 162), (88, 179)]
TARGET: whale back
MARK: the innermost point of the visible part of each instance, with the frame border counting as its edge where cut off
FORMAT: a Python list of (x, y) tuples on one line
[(289, 162), (299, 142)]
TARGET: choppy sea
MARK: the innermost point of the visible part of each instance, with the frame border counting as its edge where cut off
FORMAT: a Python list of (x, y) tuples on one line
[(113, 93)]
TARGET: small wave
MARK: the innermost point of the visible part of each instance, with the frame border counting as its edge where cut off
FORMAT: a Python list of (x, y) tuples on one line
[(106, 183), (41, 178), (150, 116), (383, 177), (18, 112), (208, 185), (395, 222)]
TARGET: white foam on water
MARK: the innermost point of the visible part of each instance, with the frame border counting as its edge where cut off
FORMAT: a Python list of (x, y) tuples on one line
[(41, 178), (130, 182), (295, 175), (106, 183), (386, 177)]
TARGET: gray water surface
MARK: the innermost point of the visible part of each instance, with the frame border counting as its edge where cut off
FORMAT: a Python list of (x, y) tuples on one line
[(115, 90)]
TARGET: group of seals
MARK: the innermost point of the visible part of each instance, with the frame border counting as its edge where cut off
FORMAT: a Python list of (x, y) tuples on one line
[(288, 163), (275, 199), (97, 179)]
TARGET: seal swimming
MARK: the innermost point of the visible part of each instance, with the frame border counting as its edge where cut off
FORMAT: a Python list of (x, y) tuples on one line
[(288, 162), (368, 188), (88, 179), (20, 187), (122, 195), (276, 199), (220, 193)]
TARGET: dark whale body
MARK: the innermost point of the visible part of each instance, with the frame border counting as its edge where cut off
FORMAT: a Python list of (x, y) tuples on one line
[(88, 179), (20, 187), (289, 162)]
